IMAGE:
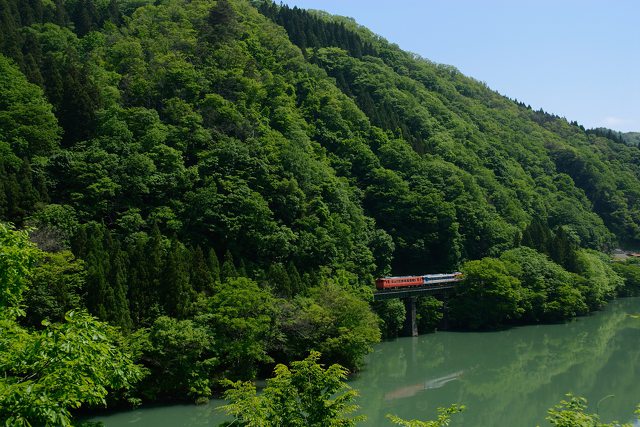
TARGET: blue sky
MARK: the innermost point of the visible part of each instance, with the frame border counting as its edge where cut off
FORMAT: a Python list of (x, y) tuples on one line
[(579, 59)]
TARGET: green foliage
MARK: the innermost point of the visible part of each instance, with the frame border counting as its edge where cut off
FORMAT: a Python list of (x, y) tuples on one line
[(55, 226), (392, 314), (181, 356), (429, 313), (175, 284), (26, 120), (67, 365), (306, 394), (631, 138), (630, 271), (55, 287), (601, 281), (488, 296), (525, 285), (202, 278), (216, 161), (241, 321), (17, 257), (549, 293), (46, 374), (444, 418), (332, 321), (572, 413)]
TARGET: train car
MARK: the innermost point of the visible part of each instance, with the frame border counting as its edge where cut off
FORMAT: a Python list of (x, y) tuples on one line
[(442, 278), (412, 281), (399, 282)]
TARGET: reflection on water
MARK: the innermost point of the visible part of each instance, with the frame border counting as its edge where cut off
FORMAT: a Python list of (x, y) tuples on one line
[(507, 378), (411, 390), (168, 416)]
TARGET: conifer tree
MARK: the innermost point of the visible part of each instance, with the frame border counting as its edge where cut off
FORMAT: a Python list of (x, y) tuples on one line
[(146, 257), (295, 279), (214, 265), (228, 270), (3, 194), (176, 290), (84, 16), (119, 313), (201, 278), (242, 269), (97, 260), (538, 236), (564, 250), (12, 194), (138, 283), (154, 261), (279, 280), (223, 22), (28, 196)]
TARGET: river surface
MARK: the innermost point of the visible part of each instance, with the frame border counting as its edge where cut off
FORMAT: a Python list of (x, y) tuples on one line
[(505, 378)]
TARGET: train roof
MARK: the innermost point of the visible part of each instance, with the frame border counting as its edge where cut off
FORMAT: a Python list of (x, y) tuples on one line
[(421, 275)]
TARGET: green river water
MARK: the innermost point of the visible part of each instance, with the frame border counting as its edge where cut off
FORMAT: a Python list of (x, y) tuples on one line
[(505, 378)]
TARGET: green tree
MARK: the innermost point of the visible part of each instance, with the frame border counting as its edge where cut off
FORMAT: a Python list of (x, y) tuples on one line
[(279, 280), (572, 413), (549, 293), (214, 265), (564, 249), (429, 313), (27, 122), (228, 269), (17, 258), (488, 296), (222, 21), (55, 226), (45, 374), (304, 395), (444, 418), (630, 271), (332, 321), (67, 365), (55, 287), (241, 320), (601, 282), (176, 290), (200, 277), (392, 315), (181, 356)]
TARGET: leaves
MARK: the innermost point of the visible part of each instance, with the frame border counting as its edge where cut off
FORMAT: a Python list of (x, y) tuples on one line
[(488, 296), (17, 257), (572, 413), (444, 418), (63, 367), (304, 395)]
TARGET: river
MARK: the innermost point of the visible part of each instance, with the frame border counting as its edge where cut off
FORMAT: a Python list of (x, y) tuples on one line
[(504, 378)]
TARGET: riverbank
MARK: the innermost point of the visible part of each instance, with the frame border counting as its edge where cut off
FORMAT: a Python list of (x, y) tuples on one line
[(509, 377)]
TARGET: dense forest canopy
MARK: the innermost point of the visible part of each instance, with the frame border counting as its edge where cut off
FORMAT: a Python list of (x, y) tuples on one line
[(195, 168)]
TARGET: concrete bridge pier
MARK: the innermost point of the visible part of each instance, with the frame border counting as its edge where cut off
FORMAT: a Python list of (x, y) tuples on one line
[(410, 328), (444, 323)]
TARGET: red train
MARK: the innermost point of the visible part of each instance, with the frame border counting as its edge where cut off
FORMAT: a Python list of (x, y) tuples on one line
[(413, 281)]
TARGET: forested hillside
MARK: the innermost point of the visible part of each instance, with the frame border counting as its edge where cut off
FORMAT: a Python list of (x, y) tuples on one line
[(223, 180), (631, 138)]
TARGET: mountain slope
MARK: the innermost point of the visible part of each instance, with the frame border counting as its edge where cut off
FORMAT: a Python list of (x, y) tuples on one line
[(236, 164)]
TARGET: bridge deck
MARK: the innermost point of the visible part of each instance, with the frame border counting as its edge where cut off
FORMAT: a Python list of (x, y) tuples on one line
[(411, 292)]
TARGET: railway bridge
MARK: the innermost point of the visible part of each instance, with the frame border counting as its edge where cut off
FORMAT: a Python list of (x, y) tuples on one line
[(442, 286)]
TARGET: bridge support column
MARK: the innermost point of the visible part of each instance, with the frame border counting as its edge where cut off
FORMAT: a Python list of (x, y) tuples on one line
[(410, 328)]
